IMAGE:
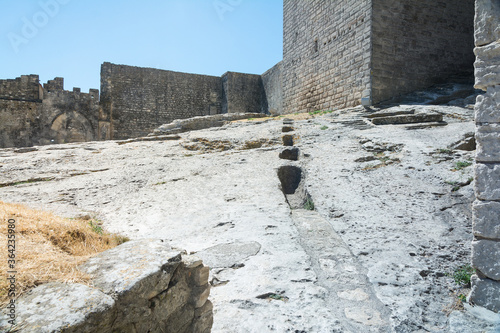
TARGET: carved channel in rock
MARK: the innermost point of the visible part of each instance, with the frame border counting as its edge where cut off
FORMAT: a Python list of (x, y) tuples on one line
[(292, 180)]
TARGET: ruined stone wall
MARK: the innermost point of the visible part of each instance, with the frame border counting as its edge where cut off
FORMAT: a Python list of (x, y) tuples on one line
[(486, 209), (24, 88), (20, 109), (137, 100), (139, 286), (242, 93), (32, 115), (70, 116), (419, 43), (272, 81), (19, 122), (326, 53)]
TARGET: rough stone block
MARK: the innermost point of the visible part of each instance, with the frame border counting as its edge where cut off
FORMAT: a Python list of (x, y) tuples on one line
[(133, 273), (200, 296), (488, 143), (486, 221), (485, 254), (487, 106), (203, 318), (485, 293), (54, 306), (118, 270), (200, 276), (486, 65), (191, 261), (487, 21), (487, 181)]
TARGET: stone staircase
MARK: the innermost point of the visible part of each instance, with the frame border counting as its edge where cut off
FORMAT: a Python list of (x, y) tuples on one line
[(413, 120)]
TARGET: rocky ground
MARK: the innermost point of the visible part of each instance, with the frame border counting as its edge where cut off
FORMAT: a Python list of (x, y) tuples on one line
[(391, 216)]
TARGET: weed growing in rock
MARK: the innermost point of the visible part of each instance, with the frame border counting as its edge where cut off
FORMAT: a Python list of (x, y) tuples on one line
[(462, 275), (320, 112), (309, 204), (324, 128), (445, 151), (462, 298), (96, 227), (460, 165)]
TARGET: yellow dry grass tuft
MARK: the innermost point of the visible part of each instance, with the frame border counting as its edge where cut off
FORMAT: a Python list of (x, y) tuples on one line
[(48, 248)]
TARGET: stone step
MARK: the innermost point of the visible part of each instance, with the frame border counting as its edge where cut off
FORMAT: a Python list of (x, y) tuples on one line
[(380, 114), (426, 125), (408, 119)]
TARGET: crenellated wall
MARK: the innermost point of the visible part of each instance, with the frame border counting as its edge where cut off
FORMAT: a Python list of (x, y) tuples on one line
[(32, 115), (486, 209)]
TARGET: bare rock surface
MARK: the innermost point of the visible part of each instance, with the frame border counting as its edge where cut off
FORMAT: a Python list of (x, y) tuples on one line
[(392, 216)]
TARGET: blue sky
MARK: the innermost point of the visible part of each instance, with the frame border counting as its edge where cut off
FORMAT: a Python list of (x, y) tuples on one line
[(71, 38)]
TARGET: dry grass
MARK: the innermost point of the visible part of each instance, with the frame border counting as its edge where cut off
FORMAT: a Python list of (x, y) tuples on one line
[(48, 248)]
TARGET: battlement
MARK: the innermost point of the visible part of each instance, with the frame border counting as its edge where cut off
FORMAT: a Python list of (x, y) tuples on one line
[(23, 88), (53, 85)]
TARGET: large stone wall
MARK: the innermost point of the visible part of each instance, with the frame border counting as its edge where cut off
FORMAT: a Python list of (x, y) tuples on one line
[(140, 286), (337, 52), (242, 93), (486, 209), (32, 115), (137, 100), (272, 81), (416, 44), (326, 53)]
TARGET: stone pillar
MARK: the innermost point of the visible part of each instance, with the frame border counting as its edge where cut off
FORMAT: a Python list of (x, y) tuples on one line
[(486, 209)]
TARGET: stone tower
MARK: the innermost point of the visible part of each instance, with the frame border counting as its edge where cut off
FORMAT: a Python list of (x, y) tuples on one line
[(336, 52)]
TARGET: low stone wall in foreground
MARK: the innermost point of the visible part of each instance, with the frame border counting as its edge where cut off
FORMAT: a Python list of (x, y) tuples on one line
[(139, 286)]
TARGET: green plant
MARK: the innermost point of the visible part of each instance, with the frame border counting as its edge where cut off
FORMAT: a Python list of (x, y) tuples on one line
[(445, 151), (461, 165), (96, 227), (309, 204), (462, 275), (462, 298), (324, 128)]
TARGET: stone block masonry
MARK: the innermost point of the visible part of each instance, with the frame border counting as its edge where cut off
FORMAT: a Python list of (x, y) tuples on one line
[(272, 81), (34, 115), (137, 100), (337, 52), (416, 44), (486, 210), (140, 286), (326, 54)]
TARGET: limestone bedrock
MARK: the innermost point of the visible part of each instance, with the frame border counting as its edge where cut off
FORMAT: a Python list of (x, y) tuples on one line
[(373, 256)]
